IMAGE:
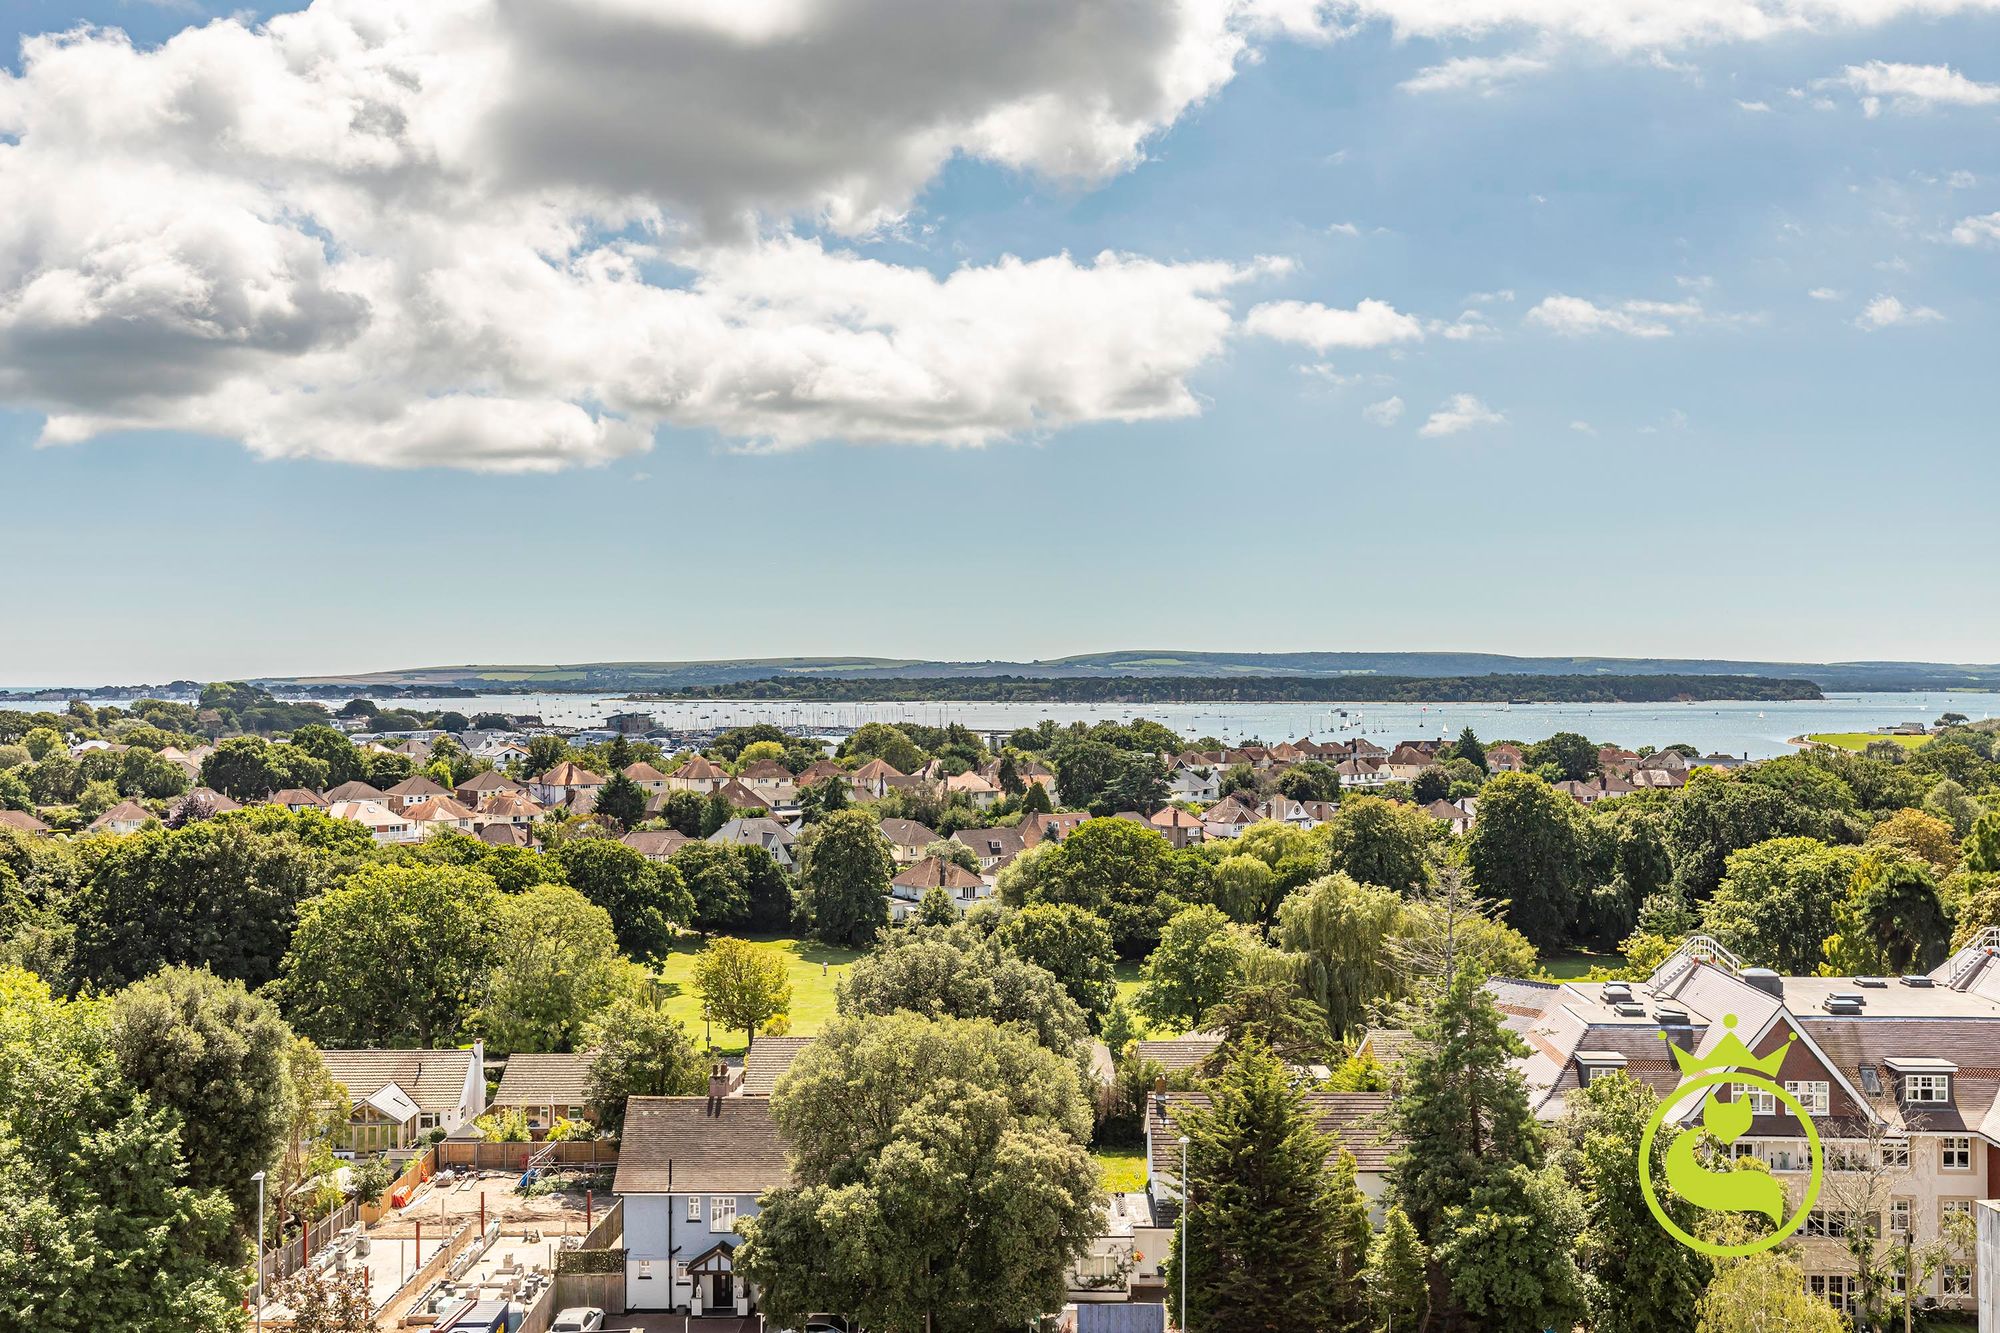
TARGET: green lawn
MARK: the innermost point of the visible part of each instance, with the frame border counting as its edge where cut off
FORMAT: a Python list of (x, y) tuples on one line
[(812, 966), (1858, 741), (1128, 991), (1573, 963), (1121, 1172)]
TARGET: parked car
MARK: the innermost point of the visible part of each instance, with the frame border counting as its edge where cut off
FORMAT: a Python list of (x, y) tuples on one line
[(578, 1319)]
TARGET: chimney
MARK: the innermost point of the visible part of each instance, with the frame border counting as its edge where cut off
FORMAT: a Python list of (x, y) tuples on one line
[(718, 1087)]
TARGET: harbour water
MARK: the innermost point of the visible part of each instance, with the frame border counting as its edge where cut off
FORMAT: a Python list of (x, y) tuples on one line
[(1756, 729)]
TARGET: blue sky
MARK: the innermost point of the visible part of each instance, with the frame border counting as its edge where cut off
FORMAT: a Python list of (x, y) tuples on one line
[(1723, 453)]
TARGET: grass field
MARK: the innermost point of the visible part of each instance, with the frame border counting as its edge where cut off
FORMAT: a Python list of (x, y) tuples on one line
[(1858, 741), (1121, 1172), (812, 966), (1573, 963)]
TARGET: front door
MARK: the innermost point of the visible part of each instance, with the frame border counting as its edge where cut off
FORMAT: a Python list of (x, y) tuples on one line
[(721, 1292)]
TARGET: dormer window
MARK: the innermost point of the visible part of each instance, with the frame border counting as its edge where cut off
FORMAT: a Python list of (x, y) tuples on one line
[(1923, 1081), (1593, 1065)]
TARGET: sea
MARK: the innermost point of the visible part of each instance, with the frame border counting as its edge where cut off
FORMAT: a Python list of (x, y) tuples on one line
[(1755, 730)]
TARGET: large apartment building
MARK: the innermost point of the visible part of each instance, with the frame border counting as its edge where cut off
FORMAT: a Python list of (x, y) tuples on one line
[(1900, 1075)]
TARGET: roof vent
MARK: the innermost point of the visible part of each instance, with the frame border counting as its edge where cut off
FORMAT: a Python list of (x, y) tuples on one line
[(1764, 979), (1835, 1005), (1847, 997), (1617, 991), (1630, 1010), (1872, 983), (1919, 980), (1671, 1014)]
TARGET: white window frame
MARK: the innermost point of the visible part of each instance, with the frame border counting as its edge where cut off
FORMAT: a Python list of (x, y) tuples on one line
[(1895, 1153), (1955, 1145), (1950, 1207), (1813, 1094), (694, 1208), (1954, 1281), (1926, 1089), (721, 1212), (1761, 1102), (1902, 1215)]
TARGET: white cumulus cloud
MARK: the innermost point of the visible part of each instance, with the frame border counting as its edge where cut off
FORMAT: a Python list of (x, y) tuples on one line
[(1983, 230), (1370, 324), (1460, 412), (1385, 413), (1913, 87), (1574, 316), (1886, 312), (517, 235)]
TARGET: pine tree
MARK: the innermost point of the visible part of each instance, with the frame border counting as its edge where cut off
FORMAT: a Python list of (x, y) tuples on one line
[(1036, 800), (1464, 1109), (622, 800), (1266, 1226), (1399, 1284), (1471, 749)]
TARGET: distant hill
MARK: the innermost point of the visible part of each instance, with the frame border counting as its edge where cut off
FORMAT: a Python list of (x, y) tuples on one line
[(1152, 664)]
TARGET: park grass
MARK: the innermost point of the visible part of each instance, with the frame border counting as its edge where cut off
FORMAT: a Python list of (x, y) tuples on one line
[(1570, 964), (813, 968), (1857, 741), (1121, 1172)]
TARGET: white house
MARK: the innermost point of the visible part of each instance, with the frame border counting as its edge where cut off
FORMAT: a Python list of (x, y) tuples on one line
[(689, 1168), (384, 824), (1200, 785), (397, 1097)]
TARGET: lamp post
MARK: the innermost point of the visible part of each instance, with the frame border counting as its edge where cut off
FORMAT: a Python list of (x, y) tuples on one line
[(1187, 1201), (259, 1178)]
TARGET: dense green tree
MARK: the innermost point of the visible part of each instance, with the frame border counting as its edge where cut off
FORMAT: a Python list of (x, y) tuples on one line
[(1764, 1293), (1342, 931), (621, 800), (1923, 836), (898, 1123), (646, 900), (218, 893), (1310, 780), (1890, 921), (881, 740), (1084, 768), (56, 780), (1398, 1276), (1525, 850), (1122, 871), (742, 985), (1463, 1110), (1575, 755), (1470, 748), (1633, 1282), (819, 799), (770, 890), (845, 866), (952, 972), (1383, 842), (1508, 1251), (1775, 906), (1270, 1244), (41, 742), (248, 768), (1138, 782), (98, 1229), (1716, 815), (332, 748), (216, 1056), (396, 956), (1275, 1015), (1982, 845), (1071, 944), (641, 1051), (558, 969), (1199, 959), (718, 883)]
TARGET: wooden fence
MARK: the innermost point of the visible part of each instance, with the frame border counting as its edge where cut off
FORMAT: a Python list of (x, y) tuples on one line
[(287, 1259), (484, 1156), (604, 1288), (421, 1168)]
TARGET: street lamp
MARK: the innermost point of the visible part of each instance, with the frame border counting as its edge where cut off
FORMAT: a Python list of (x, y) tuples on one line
[(259, 1178), (1187, 1201)]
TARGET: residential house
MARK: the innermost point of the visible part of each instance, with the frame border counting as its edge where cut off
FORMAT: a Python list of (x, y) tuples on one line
[(480, 788), (871, 780), (656, 844), (296, 799), (907, 839), (1227, 818), (741, 797), (820, 772), (505, 835), (766, 777), (124, 817), (413, 789), (690, 1168), (1457, 816), (1179, 827), (395, 1098), (1599, 788), (356, 790), (1177, 1053), (1506, 757), (982, 792), (1052, 827), (1189, 783), (699, 774), (545, 1089), (568, 784), (383, 824), (757, 831), (650, 779), (1358, 1122), (23, 823), (1360, 774), (766, 1062), (1299, 814), (1894, 1071), (440, 812), (906, 891), (1407, 763), (510, 808), (501, 752), (994, 847), (1644, 777), (211, 800)]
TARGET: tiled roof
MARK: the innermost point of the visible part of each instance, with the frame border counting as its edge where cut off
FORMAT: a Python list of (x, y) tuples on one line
[(699, 768), (354, 791), (291, 796), (1178, 1052), (875, 769), (21, 822), (567, 774), (907, 833), (1358, 1122), (766, 1062), (543, 1080), (936, 872), (434, 1080), (656, 842), (418, 786), (767, 770), (700, 1145), (121, 813), (641, 771), (491, 780)]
